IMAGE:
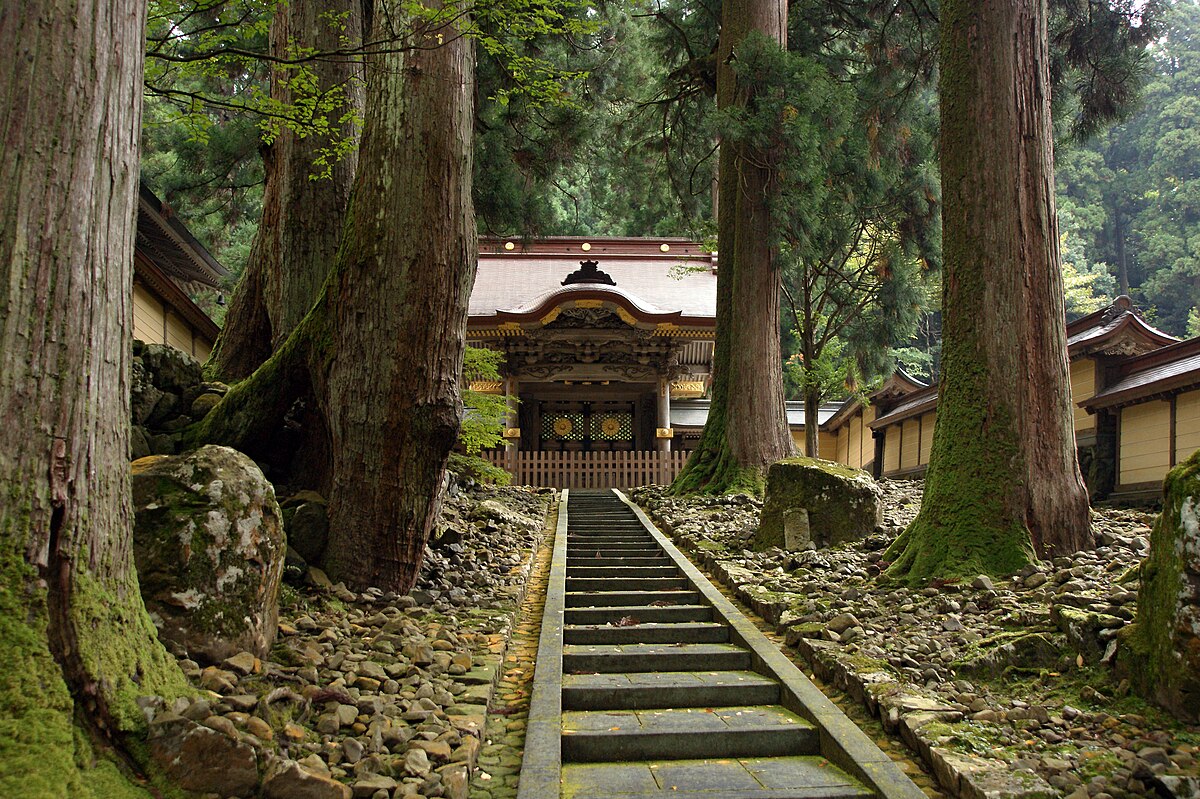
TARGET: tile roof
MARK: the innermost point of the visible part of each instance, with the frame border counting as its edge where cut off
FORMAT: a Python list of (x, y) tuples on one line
[(681, 280)]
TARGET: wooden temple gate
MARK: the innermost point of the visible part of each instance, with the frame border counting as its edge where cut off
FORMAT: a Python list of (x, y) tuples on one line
[(588, 469)]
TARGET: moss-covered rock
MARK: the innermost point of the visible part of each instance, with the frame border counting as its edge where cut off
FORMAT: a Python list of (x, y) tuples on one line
[(816, 502), (307, 527), (1164, 657), (171, 369), (210, 548)]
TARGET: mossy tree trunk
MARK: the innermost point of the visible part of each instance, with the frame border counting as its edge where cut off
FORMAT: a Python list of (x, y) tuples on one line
[(747, 427), (302, 218), (1003, 483), (77, 644), (381, 350)]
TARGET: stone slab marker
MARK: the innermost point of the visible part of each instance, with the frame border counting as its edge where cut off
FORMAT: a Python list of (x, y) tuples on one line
[(812, 502), (1164, 657)]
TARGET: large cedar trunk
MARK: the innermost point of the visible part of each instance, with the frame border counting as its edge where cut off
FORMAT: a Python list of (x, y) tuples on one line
[(77, 642), (404, 278), (381, 351), (1003, 481), (740, 440), (301, 226)]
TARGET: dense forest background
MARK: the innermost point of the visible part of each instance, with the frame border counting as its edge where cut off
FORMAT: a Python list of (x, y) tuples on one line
[(629, 149)]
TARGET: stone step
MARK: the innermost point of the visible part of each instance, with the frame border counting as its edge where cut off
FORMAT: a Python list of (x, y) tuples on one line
[(577, 584), (642, 613), (601, 540), (647, 633), (612, 546), (661, 560), (798, 777), (623, 658), (596, 599), (621, 571), (667, 689), (686, 733)]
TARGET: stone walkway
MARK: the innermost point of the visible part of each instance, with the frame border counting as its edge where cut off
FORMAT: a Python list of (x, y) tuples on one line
[(650, 683)]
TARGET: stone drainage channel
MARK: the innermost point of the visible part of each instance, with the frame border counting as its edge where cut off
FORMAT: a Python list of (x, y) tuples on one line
[(649, 682)]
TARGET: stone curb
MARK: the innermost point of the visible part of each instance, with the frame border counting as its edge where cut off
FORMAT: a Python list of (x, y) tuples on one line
[(908, 714), (541, 767)]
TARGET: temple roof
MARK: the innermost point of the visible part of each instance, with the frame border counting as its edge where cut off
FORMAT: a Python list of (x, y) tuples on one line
[(1162, 372), (680, 281), (167, 243), (693, 413), (1116, 327)]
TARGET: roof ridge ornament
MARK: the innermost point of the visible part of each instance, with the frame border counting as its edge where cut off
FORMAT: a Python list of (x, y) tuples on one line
[(588, 272)]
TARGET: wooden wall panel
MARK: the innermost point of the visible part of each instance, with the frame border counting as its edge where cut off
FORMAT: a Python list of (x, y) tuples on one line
[(1083, 386), (1145, 442), (891, 449), (927, 423), (179, 334), (1187, 425), (910, 444), (147, 316)]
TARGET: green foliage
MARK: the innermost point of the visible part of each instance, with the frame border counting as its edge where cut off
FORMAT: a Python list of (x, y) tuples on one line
[(857, 216), (477, 469), (483, 423), (1132, 194)]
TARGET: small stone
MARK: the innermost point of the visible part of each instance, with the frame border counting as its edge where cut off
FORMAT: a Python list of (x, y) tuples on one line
[(416, 762), (243, 663), (983, 583), (346, 714), (290, 781), (259, 729), (352, 749), (368, 784)]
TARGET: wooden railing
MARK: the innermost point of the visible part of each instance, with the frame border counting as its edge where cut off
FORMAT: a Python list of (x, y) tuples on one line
[(589, 469)]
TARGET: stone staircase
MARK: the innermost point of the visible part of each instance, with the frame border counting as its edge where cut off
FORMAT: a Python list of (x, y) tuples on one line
[(661, 690)]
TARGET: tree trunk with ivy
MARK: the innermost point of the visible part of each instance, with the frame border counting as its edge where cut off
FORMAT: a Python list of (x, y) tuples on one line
[(78, 645), (747, 426), (1003, 483), (381, 351), (303, 208)]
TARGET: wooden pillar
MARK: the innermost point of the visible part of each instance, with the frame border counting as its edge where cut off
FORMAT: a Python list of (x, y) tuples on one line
[(664, 414), (512, 421)]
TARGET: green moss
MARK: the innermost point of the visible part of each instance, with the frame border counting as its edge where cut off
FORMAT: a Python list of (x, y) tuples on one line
[(1159, 670)]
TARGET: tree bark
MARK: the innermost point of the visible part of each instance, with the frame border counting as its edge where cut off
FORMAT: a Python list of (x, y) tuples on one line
[(812, 417), (381, 350), (740, 440), (297, 239), (78, 644), (1003, 481), (404, 276)]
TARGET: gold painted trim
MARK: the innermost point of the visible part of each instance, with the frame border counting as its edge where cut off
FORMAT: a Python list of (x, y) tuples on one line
[(512, 432), (664, 432), (487, 386), (589, 304)]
